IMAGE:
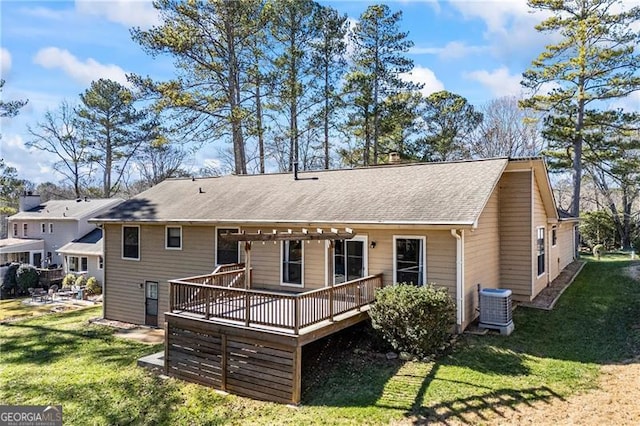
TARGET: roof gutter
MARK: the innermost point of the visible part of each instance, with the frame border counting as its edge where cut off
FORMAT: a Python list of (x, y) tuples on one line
[(459, 278)]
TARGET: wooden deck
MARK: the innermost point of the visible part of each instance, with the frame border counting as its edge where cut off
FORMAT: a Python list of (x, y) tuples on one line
[(249, 341)]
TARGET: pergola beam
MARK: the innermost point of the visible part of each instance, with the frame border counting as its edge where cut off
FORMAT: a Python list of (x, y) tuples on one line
[(290, 235)]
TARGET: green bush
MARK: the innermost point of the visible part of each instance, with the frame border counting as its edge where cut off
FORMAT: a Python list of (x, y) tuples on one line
[(417, 320), (26, 277), (80, 281), (93, 287), (8, 284), (68, 281)]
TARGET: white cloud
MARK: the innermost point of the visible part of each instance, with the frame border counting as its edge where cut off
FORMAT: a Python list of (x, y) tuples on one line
[(425, 76), (452, 50), (130, 13), (499, 81), (510, 27), (630, 103), (5, 61), (82, 72)]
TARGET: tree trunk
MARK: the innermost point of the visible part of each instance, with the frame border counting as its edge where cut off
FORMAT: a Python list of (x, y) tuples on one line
[(259, 124), (326, 117), (234, 103), (577, 155)]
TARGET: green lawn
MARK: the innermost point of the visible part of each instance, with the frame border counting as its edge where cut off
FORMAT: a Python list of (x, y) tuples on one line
[(60, 359)]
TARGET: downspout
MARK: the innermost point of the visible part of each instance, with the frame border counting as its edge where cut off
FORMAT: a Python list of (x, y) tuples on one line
[(459, 278)]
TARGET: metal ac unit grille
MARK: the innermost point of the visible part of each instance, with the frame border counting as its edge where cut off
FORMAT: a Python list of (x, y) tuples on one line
[(495, 309)]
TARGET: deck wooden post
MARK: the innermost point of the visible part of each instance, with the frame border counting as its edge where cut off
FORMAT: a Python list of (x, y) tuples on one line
[(166, 348), (171, 297), (297, 375), (208, 302), (223, 361), (331, 249), (296, 315)]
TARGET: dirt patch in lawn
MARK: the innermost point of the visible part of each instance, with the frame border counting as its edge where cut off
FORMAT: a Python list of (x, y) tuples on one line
[(614, 402), (633, 272)]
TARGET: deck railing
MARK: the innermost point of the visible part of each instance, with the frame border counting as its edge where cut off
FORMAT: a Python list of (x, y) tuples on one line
[(290, 311)]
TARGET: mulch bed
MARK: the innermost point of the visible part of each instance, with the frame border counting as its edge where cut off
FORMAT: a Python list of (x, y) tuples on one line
[(548, 297)]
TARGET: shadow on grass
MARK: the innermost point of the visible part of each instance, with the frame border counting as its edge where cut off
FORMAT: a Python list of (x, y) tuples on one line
[(42, 344), (135, 398), (472, 408)]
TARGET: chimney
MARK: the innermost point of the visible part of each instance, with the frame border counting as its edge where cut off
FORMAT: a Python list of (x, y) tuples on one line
[(394, 157), (28, 200)]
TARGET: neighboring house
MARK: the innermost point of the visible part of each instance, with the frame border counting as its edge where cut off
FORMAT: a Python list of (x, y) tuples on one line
[(39, 230), (458, 225), (84, 255)]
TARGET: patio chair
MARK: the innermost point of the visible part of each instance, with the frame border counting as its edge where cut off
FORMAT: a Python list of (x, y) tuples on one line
[(52, 291)]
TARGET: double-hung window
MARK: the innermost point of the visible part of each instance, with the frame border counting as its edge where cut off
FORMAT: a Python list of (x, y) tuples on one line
[(227, 252), (349, 260), (173, 239), (292, 265), (410, 260), (540, 250), (25, 229), (15, 229), (51, 228), (131, 242), (43, 228), (77, 264)]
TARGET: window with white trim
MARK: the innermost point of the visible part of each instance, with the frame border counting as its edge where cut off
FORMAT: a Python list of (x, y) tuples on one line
[(227, 252), (292, 265), (173, 237), (43, 228), (25, 229), (540, 250), (349, 259), (554, 236), (77, 264), (15, 229), (51, 228), (100, 262), (409, 260), (131, 242)]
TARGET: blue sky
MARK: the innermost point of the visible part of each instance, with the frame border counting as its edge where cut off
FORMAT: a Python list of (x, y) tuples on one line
[(51, 51)]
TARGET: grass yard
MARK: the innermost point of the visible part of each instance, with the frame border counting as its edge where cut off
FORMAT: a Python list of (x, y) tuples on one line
[(60, 359)]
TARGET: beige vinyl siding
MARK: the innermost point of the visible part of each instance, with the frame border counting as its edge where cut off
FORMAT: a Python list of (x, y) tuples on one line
[(566, 251), (124, 298), (482, 256), (516, 234), (539, 220)]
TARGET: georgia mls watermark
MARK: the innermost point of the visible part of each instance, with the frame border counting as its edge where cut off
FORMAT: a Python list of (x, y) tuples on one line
[(30, 415)]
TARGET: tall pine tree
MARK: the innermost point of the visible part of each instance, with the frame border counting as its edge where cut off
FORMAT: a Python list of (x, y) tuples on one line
[(596, 59), (378, 60)]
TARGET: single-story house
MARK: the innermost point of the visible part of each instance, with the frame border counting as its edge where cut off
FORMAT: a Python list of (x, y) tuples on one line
[(289, 251)]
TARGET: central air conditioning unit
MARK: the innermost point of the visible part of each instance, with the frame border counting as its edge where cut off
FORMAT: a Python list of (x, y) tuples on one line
[(495, 310)]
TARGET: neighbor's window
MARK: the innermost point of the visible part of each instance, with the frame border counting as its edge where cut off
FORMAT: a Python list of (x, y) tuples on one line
[(77, 264), (100, 262), (43, 227), (349, 260), (554, 236), (51, 228), (540, 251), (174, 237), (226, 251), (15, 229), (292, 262), (131, 242), (410, 260), (25, 229)]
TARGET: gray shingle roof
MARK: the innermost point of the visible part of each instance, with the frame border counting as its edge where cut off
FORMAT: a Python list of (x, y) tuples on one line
[(90, 244), (429, 194), (67, 209)]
